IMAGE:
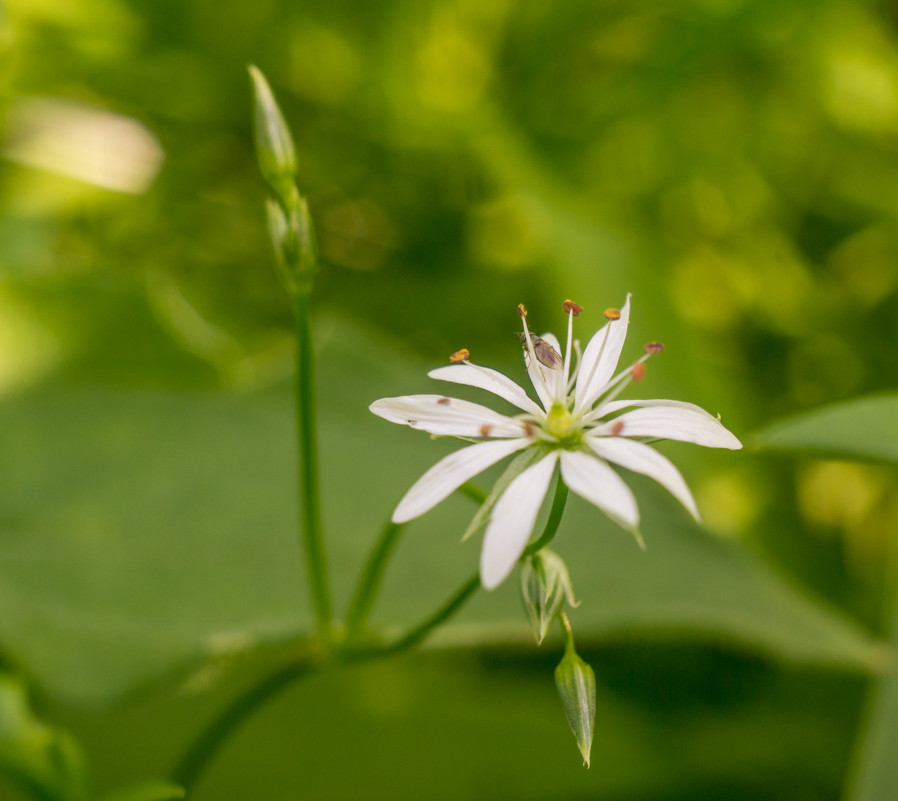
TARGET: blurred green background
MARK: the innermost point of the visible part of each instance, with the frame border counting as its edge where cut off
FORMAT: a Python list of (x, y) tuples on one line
[(732, 164)]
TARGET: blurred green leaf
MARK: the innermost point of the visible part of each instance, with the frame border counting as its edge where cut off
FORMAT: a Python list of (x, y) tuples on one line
[(862, 428), (145, 530), (876, 749), (158, 790), (45, 762), (674, 722)]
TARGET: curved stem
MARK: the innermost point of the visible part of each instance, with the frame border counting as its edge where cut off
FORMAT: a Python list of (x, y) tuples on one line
[(309, 492), (474, 492), (199, 755), (369, 583), (551, 528), (419, 632)]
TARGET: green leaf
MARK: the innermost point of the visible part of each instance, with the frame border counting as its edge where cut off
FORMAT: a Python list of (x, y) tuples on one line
[(876, 747), (44, 761), (157, 790), (143, 531), (863, 428)]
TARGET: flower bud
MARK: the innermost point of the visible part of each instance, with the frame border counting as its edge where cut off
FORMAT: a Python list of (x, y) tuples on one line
[(545, 584), (293, 240), (274, 144), (576, 685)]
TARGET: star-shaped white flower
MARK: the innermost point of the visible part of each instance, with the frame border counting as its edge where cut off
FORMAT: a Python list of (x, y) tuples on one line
[(578, 425)]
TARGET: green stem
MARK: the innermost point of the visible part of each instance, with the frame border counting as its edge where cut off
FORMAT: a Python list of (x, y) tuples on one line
[(474, 492), (369, 583), (552, 523), (204, 748), (415, 635), (309, 493), (373, 572), (566, 631)]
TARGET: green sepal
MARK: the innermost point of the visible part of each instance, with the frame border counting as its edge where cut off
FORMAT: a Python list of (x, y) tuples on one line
[(518, 465), (545, 585)]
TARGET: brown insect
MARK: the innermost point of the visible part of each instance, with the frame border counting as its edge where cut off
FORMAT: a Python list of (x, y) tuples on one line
[(545, 353)]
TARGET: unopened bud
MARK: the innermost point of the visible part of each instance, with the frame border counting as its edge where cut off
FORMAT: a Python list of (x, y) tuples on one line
[(545, 585), (293, 240), (576, 685), (274, 144)]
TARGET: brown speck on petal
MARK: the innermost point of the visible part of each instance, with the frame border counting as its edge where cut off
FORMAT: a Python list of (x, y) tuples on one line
[(617, 427), (460, 356), (485, 430), (638, 372), (611, 314), (653, 347), (444, 401), (572, 308), (529, 430)]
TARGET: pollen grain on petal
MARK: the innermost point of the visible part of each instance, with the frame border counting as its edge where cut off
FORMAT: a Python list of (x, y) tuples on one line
[(485, 430), (444, 401), (653, 347), (611, 314), (617, 427), (460, 356), (637, 372), (522, 311), (572, 308)]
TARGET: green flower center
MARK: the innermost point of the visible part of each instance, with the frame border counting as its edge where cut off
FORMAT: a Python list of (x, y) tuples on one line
[(559, 421)]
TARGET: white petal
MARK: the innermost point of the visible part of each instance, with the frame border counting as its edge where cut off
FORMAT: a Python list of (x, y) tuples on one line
[(450, 417), (450, 473), (615, 406), (600, 359), (512, 521), (640, 458), (672, 420), (595, 481), (473, 375), (542, 379)]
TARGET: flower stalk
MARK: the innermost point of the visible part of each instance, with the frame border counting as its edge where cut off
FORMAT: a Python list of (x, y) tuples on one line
[(293, 239)]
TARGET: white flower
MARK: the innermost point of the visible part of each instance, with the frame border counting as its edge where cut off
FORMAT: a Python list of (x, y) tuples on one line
[(575, 425)]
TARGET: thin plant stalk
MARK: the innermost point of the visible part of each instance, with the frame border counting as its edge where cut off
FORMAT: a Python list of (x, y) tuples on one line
[(369, 583), (309, 490)]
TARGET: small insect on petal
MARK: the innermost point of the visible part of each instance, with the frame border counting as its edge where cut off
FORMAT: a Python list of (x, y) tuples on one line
[(611, 314), (637, 372), (572, 308), (545, 352), (653, 347), (460, 356)]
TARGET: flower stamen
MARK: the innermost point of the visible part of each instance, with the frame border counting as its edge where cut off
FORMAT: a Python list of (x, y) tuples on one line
[(522, 313), (460, 356)]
